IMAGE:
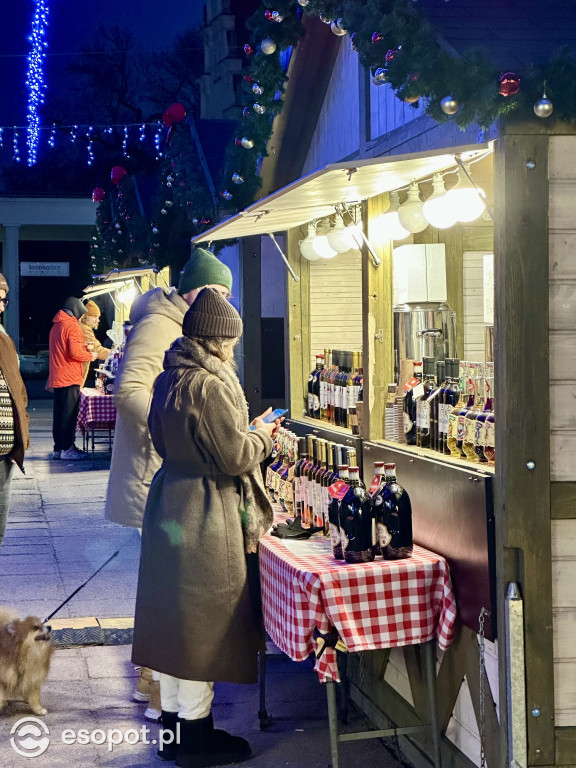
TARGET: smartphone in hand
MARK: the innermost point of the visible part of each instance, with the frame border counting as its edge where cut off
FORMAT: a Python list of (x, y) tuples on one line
[(276, 414)]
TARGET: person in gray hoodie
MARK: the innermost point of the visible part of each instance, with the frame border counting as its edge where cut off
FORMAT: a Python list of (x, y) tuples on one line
[(156, 319)]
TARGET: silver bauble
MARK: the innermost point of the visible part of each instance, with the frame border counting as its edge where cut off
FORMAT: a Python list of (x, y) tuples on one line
[(543, 107), (259, 108), (267, 46), (324, 19), (277, 17), (155, 230), (163, 211), (337, 28), (257, 89), (303, 3), (247, 143), (237, 179), (449, 105), (226, 195), (168, 203)]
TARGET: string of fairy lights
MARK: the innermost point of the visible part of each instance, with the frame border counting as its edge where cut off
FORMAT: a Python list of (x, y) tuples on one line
[(35, 81)]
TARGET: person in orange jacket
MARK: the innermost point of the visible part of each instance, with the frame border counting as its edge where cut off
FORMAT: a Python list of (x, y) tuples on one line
[(67, 352)]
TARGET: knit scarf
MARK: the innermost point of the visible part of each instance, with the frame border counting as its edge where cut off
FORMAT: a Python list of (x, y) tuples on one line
[(182, 362)]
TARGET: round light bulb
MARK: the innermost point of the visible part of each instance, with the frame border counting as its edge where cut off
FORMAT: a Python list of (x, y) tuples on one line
[(386, 226), (321, 245), (307, 245), (339, 238), (410, 212), (437, 209), (465, 200)]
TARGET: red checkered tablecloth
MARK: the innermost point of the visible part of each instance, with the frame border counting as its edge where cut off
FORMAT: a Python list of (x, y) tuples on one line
[(381, 604), (96, 410)]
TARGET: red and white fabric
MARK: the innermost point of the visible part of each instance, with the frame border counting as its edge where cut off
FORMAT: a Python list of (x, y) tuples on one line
[(375, 605), (96, 411)]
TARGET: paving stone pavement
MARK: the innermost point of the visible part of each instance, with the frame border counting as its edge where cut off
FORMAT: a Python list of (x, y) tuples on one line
[(56, 538)]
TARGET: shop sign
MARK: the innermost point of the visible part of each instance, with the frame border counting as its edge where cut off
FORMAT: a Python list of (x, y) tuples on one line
[(45, 268)]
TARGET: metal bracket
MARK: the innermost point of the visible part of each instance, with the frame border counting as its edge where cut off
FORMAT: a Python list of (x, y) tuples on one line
[(380, 336), (294, 275), (343, 208)]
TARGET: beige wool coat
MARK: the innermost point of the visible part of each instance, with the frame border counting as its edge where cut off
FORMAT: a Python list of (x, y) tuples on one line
[(195, 616), (157, 318)]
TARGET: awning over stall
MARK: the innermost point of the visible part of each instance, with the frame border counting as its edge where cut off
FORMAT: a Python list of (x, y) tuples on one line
[(315, 195)]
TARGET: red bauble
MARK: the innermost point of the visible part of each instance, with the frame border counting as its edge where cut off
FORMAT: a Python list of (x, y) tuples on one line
[(268, 15), (377, 37), (238, 142), (117, 174), (248, 50), (248, 78), (391, 54), (509, 84), (174, 114), (98, 194)]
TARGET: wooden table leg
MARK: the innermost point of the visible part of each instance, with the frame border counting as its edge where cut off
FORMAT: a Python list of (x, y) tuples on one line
[(333, 722)]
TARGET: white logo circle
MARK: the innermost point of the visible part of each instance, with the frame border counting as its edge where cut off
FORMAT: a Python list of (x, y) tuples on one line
[(28, 739)]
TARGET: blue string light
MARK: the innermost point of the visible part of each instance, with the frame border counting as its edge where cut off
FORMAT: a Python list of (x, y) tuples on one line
[(125, 142), (157, 139), (15, 148), (35, 76), (1, 137), (52, 139), (143, 132), (90, 149)]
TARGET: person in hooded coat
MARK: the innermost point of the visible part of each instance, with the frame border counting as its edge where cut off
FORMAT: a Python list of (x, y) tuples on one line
[(67, 352), (196, 621)]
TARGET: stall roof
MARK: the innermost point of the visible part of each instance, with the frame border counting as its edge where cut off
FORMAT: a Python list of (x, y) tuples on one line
[(314, 196)]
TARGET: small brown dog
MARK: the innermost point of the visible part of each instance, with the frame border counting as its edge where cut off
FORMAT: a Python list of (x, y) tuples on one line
[(25, 651)]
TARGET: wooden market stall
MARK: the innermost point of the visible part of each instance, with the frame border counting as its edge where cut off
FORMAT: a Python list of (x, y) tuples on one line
[(506, 686), (123, 285)]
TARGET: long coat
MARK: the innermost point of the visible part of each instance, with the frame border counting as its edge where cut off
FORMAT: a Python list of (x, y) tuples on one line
[(195, 618), (157, 318)]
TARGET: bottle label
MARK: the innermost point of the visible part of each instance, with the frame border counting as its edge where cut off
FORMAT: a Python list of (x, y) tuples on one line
[(461, 428), (375, 485), (489, 439), (424, 414), (452, 425), (310, 402), (384, 537), (334, 534), (297, 491), (479, 433), (470, 430), (313, 402), (323, 395), (338, 489), (411, 384), (289, 492), (344, 540), (443, 415), (418, 391), (281, 489), (269, 474), (408, 423)]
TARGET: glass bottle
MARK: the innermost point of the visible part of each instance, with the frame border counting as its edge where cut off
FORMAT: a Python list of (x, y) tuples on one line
[(306, 520), (397, 517), (435, 404), (374, 492), (477, 388), (314, 389), (423, 435), (325, 482), (324, 384), (409, 405), (334, 514), (356, 521), (298, 466), (480, 431), (452, 402), (318, 520), (331, 387), (489, 433)]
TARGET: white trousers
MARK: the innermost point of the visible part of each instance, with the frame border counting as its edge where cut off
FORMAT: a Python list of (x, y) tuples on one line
[(191, 699)]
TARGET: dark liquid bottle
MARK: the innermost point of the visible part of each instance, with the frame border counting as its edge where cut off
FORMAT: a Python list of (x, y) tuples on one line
[(374, 492), (409, 406), (398, 518), (435, 404), (357, 521), (423, 416), (314, 389), (481, 419), (298, 490), (448, 399), (306, 520), (334, 516)]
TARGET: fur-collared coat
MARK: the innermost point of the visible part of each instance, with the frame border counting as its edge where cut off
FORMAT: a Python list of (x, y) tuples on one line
[(207, 508)]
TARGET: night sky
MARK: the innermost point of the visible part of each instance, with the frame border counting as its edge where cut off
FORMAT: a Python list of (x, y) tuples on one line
[(153, 23)]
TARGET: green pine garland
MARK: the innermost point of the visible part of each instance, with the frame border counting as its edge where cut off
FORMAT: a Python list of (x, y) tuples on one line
[(416, 66)]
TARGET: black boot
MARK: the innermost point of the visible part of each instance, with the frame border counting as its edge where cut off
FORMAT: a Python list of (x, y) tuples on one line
[(169, 726), (201, 745)]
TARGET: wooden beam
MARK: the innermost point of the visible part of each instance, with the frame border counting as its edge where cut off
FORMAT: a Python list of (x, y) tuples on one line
[(522, 495), (296, 370), (378, 329)]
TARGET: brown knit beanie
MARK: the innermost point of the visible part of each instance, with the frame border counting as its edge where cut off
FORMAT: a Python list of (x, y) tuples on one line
[(3, 283), (92, 309), (212, 316)]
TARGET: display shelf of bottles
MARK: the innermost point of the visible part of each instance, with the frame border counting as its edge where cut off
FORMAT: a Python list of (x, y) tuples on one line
[(334, 388), (427, 453)]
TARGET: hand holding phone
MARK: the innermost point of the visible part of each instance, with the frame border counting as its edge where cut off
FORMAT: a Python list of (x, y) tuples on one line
[(276, 414)]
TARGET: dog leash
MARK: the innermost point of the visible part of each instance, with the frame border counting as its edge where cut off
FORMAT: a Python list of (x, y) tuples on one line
[(80, 587)]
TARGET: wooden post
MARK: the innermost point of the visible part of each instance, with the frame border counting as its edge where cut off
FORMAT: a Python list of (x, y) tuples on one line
[(252, 315), (297, 328), (378, 327), (522, 484)]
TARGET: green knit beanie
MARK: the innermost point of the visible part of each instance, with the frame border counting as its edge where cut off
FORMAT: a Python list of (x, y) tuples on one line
[(203, 268)]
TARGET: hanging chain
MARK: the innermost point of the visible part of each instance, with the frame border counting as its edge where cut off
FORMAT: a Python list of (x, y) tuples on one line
[(483, 680)]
